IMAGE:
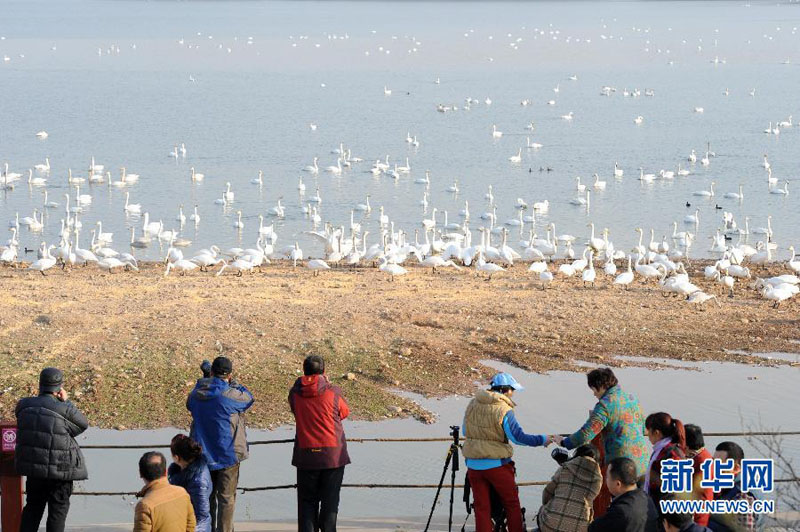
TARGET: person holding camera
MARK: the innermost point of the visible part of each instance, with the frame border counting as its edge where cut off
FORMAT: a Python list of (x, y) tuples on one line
[(47, 452), (320, 446), (491, 427), (217, 404), (567, 498)]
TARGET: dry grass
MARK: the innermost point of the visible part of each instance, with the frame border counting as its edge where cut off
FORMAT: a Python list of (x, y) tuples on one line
[(131, 343)]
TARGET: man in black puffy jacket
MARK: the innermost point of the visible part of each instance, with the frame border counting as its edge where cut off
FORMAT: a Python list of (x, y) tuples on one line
[(47, 452)]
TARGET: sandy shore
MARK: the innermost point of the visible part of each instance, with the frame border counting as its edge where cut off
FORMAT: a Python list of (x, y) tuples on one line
[(131, 343)]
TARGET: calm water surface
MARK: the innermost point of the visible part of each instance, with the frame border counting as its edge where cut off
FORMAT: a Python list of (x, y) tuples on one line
[(73, 71)]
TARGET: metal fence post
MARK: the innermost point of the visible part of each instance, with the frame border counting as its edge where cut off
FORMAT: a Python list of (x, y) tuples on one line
[(10, 482)]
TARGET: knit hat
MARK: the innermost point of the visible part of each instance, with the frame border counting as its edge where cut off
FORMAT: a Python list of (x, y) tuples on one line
[(50, 380)]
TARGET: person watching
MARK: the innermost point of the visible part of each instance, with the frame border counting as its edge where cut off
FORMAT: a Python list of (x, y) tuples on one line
[(189, 470), (681, 523), (164, 507), (696, 450), (47, 453), (320, 447), (737, 522), (567, 498), (631, 509), (217, 404)]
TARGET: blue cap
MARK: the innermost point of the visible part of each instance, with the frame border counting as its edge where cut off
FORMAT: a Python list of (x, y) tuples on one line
[(505, 379)]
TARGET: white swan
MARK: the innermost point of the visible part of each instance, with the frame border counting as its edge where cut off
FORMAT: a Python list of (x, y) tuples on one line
[(49, 204), (258, 180), (238, 224), (314, 169), (533, 145), (645, 177), (364, 207), (775, 294), (626, 277), (129, 178), (43, 167), (618, 172), (228, 195), (317, 265), (600, 185), (277, 210), (581, 201), (181, 265), (45, 263), (36, 181), (132, 208), (692, 218), (734, 195), (196, 176), (705, 193), (792, 264), (516, 158), (105, 238), (782, 191), (495, 133)]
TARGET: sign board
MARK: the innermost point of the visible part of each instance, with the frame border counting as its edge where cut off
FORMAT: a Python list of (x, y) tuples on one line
[(8, 437)]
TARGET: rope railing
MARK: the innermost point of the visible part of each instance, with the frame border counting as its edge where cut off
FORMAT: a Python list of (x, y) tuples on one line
[(279, 487), (423, 440)]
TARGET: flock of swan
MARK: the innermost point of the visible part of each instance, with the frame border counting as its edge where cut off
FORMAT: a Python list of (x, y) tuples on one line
[(482, 233), (436, 243)]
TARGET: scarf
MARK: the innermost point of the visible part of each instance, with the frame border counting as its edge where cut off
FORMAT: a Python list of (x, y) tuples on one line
[(657, 448)]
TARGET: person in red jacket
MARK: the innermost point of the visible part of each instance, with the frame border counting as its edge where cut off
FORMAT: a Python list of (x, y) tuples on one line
[(696, 450), (320, 447)]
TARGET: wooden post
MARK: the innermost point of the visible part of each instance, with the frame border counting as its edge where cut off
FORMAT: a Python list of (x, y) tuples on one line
[(10, 482)]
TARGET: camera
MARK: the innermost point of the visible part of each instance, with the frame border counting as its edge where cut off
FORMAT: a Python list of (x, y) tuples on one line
[(205, 367), (559, 455)]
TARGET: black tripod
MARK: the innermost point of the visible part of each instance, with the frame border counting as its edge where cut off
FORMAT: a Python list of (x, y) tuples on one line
[(452, 455)]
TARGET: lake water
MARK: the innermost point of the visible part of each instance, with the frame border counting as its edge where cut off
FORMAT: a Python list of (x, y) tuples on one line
[(720, 397), (111, 80)]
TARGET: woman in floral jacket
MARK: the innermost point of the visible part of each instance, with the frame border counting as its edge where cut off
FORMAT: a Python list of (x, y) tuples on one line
[(618, 419)]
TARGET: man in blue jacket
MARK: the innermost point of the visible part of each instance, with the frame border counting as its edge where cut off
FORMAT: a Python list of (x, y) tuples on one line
[(218, 404)]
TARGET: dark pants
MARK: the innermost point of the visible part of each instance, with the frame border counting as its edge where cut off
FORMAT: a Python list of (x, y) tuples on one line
[(318, 499), (223, 498), (54, 494), (501, 479)]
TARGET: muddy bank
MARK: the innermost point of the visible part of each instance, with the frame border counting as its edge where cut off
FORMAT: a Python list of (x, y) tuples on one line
[(131, 343)]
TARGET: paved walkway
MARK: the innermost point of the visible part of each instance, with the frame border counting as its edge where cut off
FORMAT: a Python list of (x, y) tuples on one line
[(350, 525)]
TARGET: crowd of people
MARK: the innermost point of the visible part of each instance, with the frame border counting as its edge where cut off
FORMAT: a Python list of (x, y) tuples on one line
[(610, 482)]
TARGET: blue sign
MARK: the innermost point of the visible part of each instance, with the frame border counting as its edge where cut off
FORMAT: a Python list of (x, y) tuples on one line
[(717, 474), (757, 474), (676, 476)]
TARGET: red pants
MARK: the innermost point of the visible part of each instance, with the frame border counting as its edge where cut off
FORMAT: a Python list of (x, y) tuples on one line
[(603, 499), (502, 480)]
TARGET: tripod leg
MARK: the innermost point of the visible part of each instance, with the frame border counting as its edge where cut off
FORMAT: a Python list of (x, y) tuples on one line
[(439, 489), (452, 486)]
